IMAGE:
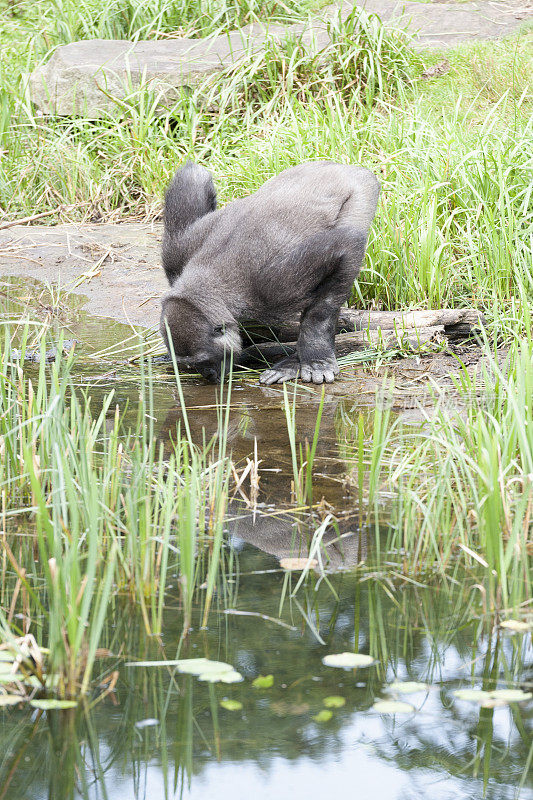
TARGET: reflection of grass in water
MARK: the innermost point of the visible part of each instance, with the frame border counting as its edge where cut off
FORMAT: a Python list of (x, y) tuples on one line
[(112, 512)]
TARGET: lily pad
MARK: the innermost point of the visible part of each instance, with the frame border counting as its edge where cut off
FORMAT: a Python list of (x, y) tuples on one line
[(149, 722), (517, 625), (297, 564), (334, 701), (323, 716), (348, 660), (393, 707), (171, 663), (263, 682), (493, 703), (473, 695), (227, 676), (510, 695), (202, 666), (408, 687), (10, 699), (231, 705), (52, 704)]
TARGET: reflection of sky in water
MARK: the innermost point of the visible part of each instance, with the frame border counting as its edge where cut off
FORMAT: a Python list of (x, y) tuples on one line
[(266, 752), (355, 764)]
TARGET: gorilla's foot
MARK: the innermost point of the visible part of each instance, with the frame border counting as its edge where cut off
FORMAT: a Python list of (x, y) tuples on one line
[(322, 371), (285, 370)]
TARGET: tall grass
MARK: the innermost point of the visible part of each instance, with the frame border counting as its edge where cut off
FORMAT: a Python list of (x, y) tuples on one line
[(459, 492), (64, 22), (104, 511)]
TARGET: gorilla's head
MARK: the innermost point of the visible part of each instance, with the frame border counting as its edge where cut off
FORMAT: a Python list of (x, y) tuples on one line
[(198, 340)]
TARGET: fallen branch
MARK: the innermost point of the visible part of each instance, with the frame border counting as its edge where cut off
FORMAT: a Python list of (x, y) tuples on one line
[(33, 217), (413, 339), (457, 323)]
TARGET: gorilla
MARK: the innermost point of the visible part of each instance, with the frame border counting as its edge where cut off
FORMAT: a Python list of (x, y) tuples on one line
[(295, 246)]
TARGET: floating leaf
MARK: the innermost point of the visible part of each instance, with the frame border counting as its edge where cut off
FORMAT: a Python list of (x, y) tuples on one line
[(10, 699), (52, 704), (323, 716), (172, 663), (231, 705), (190, 666), (231, 677), (334, 701), (150, 722), (493, 703), (517, 625), (295, 564), (202, 666), (348, 660), (408, 687), (392, 707), (473, 695), (227, 676), (263, 682), (510, 695)]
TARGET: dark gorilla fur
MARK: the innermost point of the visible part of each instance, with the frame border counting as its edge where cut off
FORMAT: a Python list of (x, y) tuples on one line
[(294, 246)]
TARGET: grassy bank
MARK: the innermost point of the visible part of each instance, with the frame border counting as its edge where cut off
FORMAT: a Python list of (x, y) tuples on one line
[(98, 517), (453, 152)]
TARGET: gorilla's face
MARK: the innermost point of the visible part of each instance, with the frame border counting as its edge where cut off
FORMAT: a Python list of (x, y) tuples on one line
[(197, 342)]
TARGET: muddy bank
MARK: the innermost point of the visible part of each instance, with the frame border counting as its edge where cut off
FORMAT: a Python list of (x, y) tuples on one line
[(116, 267)]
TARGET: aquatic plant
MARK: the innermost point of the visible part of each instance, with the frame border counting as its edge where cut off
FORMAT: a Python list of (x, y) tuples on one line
[(109, 510)]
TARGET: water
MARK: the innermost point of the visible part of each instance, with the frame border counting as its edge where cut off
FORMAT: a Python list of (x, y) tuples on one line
[(160, 734)]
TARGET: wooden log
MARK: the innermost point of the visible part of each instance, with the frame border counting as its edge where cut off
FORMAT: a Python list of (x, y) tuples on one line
[(458, 323), (424, 318), (411, 338)]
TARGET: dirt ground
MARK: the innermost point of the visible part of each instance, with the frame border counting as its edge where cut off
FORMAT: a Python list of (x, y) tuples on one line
[(116, 267)]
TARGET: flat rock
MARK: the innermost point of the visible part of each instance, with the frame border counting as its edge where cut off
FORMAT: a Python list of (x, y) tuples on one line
[(93, 77)]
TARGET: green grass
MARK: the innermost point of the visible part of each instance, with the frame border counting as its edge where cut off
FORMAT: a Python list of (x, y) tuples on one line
[(459, 491), (106, 511), (454, 154), (112, 512)]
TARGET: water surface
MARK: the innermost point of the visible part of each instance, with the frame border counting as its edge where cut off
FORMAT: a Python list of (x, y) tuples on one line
[(161, 734)]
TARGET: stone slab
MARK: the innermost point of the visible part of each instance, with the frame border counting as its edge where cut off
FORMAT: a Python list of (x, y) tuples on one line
[(93, 77)]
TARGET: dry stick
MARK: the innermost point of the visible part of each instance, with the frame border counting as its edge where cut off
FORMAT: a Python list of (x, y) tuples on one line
[(25, 220), (410, 338)]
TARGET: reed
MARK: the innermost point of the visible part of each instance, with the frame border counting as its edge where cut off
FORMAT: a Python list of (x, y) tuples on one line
[(109, 510)]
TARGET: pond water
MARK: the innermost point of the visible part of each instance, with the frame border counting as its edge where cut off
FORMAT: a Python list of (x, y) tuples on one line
[(162, 734)]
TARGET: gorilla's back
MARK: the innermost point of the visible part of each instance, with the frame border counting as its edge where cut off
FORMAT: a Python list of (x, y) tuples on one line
[(288, 208)]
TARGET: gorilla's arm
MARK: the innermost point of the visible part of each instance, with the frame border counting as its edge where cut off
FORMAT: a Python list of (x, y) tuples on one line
[(324, 266)]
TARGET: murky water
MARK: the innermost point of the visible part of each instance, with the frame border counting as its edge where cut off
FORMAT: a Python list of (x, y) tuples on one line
[(161, 734)]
